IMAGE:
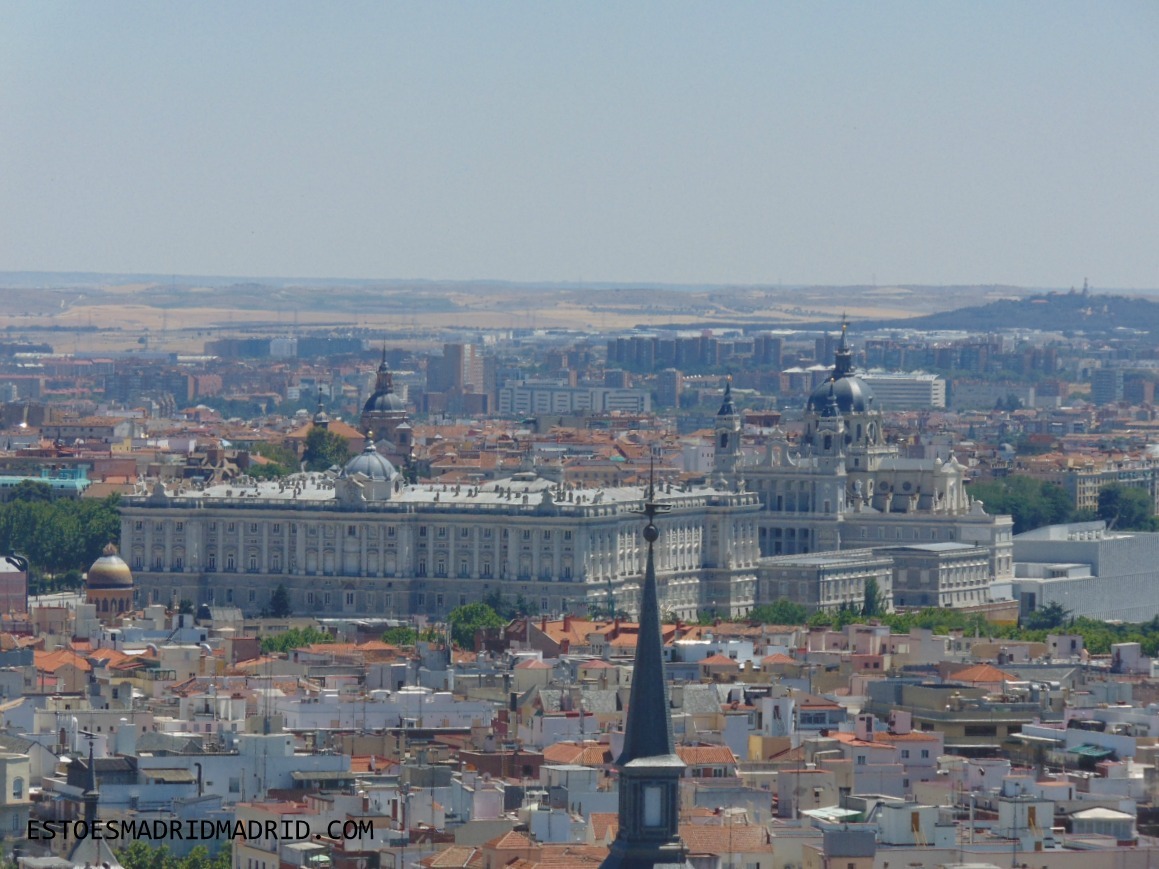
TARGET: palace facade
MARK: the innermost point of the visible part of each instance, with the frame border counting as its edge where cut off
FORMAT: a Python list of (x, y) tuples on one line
[(365, 542)]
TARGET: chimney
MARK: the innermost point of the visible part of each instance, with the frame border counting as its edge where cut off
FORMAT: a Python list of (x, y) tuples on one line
[(567, 621), (543, 624)]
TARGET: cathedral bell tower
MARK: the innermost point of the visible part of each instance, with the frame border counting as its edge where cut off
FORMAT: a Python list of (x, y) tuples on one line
[(650, 769), (727, 457)]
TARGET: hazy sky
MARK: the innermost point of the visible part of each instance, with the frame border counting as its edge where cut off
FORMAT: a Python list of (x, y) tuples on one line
[(716, 142)]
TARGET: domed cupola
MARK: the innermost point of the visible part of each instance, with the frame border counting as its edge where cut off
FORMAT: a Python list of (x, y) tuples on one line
[(852, 394), (384, 399), (109, 571), (371, 464), (109, 584)]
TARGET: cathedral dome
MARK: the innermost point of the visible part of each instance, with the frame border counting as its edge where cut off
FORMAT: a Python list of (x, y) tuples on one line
[(371, 464), (109, 571), (381, 402), (852, 394), (384, 399)]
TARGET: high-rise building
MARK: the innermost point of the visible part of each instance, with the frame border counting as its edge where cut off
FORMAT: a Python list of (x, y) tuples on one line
[(669, 387), (1107, 385)]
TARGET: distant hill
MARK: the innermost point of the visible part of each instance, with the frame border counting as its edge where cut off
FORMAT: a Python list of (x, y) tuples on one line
[(1075, 311)]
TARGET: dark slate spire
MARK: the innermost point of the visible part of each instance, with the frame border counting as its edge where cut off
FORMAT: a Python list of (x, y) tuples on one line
[(650, 769), (648, 732), (91, 795), (727, 408)]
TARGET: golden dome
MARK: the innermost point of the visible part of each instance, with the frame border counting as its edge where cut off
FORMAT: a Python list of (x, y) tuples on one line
[(109, 571)]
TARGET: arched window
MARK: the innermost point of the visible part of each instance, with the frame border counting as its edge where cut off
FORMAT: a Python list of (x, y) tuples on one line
[(18, 788)]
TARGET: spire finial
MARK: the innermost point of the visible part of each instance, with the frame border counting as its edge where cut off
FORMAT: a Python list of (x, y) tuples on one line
[(843, 358)]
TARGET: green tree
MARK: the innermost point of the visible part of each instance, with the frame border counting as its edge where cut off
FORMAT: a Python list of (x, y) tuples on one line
[(142, 855), (400, 636), (1032, 503), (873, 602), (57, 536), (324, 449), (779, 612), (185, 607), (468, 619), (295, 638), (280, 602), (1047, 618), (31, 490), (500, 604), (280, 462), (1126, 508)]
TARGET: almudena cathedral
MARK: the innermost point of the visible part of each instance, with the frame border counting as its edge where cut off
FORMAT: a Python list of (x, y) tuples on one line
[(812, 523)]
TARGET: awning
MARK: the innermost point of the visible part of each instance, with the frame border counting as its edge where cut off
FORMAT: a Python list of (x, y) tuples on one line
[(171, 776), (1088, 750)]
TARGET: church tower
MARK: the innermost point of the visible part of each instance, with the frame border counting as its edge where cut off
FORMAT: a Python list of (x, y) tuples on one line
[(650, 769), (727, 456), (384, 417)]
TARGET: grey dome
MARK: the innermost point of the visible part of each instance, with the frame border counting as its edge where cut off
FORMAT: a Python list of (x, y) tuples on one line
[(852, 394), (383, 401), (371, 464)]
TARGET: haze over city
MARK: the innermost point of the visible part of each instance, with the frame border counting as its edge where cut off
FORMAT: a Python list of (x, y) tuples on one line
[(683, 143)]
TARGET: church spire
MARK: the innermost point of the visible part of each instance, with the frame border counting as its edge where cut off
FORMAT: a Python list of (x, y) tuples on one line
[(91, 794), (650, 769), (726, 407), (843, 361), (644, 735)]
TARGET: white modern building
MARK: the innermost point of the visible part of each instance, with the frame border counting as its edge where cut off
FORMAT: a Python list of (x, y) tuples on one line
[(901, 391), (1088, 571)]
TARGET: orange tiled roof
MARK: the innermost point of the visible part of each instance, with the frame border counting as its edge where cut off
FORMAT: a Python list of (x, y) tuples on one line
[(454, 857), (778, 658), (581, 754), (717, 660), (511, 841), (605, 826), (50, 662), (703, 755), (982, 673), (724, 838)]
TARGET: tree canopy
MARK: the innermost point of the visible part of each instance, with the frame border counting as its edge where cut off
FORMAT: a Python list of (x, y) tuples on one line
[(280, 602), (400, 636), (1126, 508), (324, 449), (145, 855), (295, 638), (1032, 503), (468, 619), (874, 603), (779, 612), (57, 535)]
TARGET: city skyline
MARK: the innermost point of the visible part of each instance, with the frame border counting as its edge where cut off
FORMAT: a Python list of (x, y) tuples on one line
[(674, 144)]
